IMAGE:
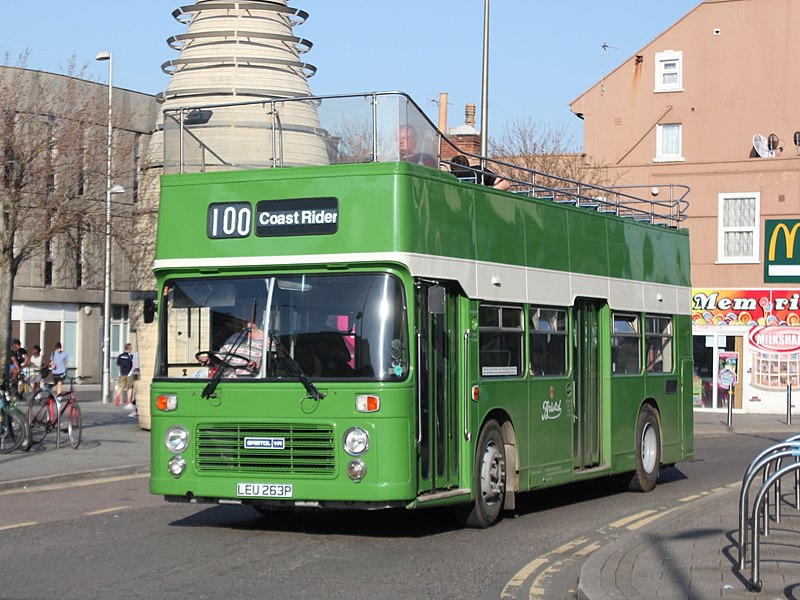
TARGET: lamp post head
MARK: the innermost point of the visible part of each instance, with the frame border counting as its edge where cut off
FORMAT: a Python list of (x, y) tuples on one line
[(101, 56)]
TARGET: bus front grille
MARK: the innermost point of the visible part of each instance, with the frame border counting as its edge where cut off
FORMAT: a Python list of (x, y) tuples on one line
[(271, 448)]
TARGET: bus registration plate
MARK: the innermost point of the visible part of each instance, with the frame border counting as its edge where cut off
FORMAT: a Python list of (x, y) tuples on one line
[(264, 490)]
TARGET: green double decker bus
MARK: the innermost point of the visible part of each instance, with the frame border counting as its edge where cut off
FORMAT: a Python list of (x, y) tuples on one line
[(345, 324)]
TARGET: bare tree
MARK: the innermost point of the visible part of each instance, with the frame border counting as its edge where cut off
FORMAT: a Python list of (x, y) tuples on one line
[(546, 150), (53, 148)]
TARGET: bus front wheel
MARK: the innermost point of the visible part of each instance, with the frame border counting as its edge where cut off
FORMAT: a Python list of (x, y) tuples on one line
[(648, 451), (490, 478)]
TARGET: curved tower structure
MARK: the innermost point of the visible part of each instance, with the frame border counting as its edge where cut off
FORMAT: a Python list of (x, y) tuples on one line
[(233, 52)]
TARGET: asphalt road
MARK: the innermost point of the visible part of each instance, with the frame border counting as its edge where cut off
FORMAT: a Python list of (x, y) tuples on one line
[(112, 539)]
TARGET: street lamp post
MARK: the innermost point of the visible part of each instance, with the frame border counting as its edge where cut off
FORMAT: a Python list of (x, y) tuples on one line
[(106, 354), (485, 83)]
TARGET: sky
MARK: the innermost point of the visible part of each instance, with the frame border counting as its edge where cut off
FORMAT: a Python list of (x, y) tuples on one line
[(543, 54)]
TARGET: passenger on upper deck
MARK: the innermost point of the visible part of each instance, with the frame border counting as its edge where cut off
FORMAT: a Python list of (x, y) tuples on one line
[(407, 144), (461, 169)]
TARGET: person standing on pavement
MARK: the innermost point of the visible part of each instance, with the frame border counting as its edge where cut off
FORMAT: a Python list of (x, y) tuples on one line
[(34, 363), (16, 360), (59, 363), (125, 366)]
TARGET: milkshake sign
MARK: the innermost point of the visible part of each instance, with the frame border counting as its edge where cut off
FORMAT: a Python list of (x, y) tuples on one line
[(775, 339)]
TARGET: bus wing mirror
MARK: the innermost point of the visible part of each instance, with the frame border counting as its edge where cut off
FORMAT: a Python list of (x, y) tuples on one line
[(149, 310), (436, 300)]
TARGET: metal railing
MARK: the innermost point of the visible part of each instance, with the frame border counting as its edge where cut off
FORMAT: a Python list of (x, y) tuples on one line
[(376, 127), (757, 519)]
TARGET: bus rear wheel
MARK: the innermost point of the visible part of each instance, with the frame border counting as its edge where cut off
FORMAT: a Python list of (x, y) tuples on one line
[(648, 451), (490, 478)]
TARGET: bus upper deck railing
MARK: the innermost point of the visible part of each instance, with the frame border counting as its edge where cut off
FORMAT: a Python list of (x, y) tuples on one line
[(375, 127)]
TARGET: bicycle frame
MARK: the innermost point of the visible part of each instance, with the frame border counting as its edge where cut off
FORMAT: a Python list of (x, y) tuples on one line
[(46, 413)]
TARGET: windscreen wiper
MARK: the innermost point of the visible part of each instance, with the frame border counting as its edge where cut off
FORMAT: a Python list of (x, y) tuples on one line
[(291, 364), (208, 391)]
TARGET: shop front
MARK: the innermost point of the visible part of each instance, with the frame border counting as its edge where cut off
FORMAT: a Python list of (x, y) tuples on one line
[(746, 349)]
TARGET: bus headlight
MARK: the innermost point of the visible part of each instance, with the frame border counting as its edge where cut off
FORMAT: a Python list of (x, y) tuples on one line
[(176, 439), (355, 441), (177, 465), (356, 470)]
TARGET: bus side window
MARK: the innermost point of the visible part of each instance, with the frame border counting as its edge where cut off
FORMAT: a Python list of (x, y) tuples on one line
[(658, 342), (625, 344), (501, 343), (548, 341)]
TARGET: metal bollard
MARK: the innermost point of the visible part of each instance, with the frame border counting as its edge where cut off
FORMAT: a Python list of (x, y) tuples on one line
[(730, 405), (789, 405)]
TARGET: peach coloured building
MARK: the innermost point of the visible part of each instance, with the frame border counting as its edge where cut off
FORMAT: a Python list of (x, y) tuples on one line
[(712, 102)]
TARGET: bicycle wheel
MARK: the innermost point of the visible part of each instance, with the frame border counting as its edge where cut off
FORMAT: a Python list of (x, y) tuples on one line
[(38, 422), (74, 424), (13, 431)]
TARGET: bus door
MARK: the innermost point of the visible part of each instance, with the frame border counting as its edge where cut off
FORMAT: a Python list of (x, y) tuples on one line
[(437, 387), (587, 392)]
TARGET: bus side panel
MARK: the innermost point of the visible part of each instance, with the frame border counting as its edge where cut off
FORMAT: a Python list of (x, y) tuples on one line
[(551, 415), (627, 393)]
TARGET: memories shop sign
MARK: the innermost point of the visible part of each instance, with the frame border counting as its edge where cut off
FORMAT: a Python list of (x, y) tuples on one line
[(753, 308)]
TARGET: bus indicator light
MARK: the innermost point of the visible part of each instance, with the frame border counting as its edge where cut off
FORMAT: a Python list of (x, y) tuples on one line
[(476, 393), (167, 402), (368, 403)]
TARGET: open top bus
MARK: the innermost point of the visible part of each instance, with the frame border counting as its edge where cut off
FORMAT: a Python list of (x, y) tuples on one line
[(368, 331)]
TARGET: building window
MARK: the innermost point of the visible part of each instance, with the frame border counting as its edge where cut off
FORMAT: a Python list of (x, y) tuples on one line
[(658, 344), (669, 71), (738, 239), (625, 352), (137, 165), (501, 343), (48, 263), (548, 341), (669, 142), (79, 249)]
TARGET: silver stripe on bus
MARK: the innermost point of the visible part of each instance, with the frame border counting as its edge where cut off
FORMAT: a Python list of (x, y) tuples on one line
[(485, 280)]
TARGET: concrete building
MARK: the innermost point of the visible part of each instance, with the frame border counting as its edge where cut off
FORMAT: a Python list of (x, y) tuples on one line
[(711, 103), (58, 291)]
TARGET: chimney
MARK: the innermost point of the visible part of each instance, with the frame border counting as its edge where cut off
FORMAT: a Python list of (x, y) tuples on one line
[(469, 114)]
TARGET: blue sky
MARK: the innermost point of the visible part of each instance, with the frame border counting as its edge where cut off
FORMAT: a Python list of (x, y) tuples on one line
[(543, 53)]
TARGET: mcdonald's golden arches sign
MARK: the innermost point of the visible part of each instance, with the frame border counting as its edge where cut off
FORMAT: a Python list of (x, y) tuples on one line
[(782, 250)]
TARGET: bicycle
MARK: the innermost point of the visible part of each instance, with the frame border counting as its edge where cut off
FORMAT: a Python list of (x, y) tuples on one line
[(46, 412), (14, 431)]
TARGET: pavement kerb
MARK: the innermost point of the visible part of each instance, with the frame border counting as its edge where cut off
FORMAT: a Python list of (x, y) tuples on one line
[(589, 582), (60, 478)]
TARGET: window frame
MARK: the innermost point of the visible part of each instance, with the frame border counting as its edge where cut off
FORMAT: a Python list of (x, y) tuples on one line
[(622, 336), (501, 329), (661, 60), (562, 334), (667, 345), (754, 229), (662, 156)]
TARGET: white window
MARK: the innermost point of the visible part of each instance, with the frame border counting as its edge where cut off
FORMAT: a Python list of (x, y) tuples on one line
[(669, 71), (669, 142), (739, 216)]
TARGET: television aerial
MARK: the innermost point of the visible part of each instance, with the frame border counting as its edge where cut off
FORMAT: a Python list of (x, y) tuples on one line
[(761, 146)]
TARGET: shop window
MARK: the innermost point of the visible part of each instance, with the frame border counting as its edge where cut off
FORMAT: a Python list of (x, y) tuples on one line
[(658, 344), (625, 345), (501, 330), (548, 341), (776, 370)]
